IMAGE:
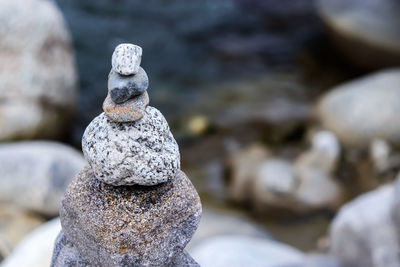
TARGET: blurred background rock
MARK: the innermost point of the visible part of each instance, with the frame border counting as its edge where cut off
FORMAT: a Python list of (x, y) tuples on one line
[(284, 112)]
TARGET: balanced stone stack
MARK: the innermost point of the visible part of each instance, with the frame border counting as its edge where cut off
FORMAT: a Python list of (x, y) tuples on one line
[(132, 205)]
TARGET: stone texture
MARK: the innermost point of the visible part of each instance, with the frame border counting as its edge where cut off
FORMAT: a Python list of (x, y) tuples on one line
[(123, 88), (126, 59), (129, 225), (363, 233), (226, 251), (34, 175), (36, 248), (364, 109), (142, 152), (37, 73), (369, 43), (65, 254), (130, 111)]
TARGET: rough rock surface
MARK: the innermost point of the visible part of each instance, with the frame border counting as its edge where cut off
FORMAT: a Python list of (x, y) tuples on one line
[(34, 175), (142, 152), (123, 88), (136, 225), (369, 43), (224, 251), (130, 111), (37, 74), (126, 59), (364, 109), (363, 233), (36, 248), (65, 254)]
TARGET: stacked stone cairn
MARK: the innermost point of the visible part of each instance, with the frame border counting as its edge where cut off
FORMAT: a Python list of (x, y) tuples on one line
[(132, 205)]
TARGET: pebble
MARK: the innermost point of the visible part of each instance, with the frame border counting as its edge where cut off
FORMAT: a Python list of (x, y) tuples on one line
[(363, 233), (36, 248), (123, 88), (142, 152), (237, 251), (126, 59), (129, 225), (364, 109), (130, 111), (368, 43)]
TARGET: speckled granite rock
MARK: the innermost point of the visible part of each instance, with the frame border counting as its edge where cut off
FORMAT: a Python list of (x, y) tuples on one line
[(142, 152), (130, 111), (126, 59), (65, 254), (129, 225), (122, 88)]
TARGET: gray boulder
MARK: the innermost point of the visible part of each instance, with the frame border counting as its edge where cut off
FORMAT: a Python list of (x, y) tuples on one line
[(363, 233), (142, 152), (37, 78), (129, 225), (364, 109), (34, 175), (366, 31)]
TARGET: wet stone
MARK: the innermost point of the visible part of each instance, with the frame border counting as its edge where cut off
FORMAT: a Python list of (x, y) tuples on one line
[(122, 88), (130, 111), (130, 225)]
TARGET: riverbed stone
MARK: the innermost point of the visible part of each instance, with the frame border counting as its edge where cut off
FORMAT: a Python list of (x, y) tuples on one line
[(143, 152), (132, 110), (364, 109), (236, 250), (368, 43), (38, 81), (35, 174), (363, 233), (129, 225), (36, 248), (122, 88), (126, 59)]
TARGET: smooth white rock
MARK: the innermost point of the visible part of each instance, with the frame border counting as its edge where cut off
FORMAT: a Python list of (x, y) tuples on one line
[(35, 174), (363, 233), (36, 249), (240, 251), (364, 109)]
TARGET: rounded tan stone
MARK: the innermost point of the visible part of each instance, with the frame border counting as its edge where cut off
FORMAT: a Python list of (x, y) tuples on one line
[(131, 110)]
